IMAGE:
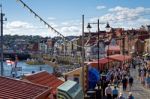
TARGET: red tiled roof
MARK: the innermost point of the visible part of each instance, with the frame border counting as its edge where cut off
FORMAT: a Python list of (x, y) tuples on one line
[(16, 89), (46, 79), (143, 37)]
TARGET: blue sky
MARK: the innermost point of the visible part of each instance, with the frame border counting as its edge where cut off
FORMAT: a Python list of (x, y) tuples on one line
[(65, 15)]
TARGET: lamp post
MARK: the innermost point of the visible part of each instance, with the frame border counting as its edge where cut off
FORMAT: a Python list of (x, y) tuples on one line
[(107, 42), (123, 44), (1, 19), (89, 27), (108, 28), (82, 63), (98, 30)]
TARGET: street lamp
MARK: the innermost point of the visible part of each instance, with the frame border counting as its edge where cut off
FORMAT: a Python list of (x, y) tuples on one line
[(123, 42), (89, 36), (107, 41), (89, 27), (108, 29)]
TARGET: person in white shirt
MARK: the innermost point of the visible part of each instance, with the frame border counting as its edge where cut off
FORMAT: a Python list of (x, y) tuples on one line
[(108, 92)]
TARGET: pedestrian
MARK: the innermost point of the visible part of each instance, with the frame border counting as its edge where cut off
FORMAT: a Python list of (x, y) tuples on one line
[(108, 92), (130, 82), (133, 63), (139, 72), (142, 77), (115, 81), (130, 96), (121, 96), (115, 93), (147, 81), (144, 69), (103, 85), (124, 83)]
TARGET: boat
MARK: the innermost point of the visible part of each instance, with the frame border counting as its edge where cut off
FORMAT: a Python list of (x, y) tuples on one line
[(34, 62)]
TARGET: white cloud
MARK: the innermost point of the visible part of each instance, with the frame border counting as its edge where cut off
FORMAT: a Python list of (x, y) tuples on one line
[(65, 23), (54, 25), (51, 18), (100, 7), (25, 28), (124, 13), (118, 16), (18, 24), (125, 17), (70, 27), (71, 22), (72, 30), (22, 28)]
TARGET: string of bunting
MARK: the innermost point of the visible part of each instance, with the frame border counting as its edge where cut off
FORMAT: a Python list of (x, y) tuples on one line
[(45, 23), (50, 27)]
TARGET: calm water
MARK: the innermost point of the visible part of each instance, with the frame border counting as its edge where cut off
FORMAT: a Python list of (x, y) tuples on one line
[(26, 68)]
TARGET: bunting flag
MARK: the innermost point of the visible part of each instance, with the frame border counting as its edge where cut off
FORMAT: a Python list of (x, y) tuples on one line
[(45, 23), (9, 62)]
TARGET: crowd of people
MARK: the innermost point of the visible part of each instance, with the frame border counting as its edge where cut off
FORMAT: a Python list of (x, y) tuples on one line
[(114, 93), (116, 76), (143, 71), (119, 76)]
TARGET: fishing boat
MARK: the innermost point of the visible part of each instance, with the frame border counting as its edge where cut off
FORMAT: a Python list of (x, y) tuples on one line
[(34, 62)]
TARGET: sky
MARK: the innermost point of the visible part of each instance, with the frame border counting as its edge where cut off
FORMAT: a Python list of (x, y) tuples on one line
[(66, 15)]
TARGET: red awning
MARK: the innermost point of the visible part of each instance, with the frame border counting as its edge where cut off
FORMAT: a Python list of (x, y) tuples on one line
[(105, 60), (119, 57), (114, 48), (102, 62)]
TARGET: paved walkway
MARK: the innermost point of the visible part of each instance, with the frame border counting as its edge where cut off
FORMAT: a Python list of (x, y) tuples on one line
[(138, 91)]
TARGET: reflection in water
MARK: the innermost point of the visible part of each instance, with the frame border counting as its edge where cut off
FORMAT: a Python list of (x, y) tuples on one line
[(26, 68)]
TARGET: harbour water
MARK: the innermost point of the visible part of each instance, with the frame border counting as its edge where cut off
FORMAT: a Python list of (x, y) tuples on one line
[(26, 68)]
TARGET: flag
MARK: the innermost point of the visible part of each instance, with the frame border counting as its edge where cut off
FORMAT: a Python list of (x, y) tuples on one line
[(9, 62)]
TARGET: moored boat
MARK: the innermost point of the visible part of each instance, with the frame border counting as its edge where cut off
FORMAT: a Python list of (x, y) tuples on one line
[(34, 62)]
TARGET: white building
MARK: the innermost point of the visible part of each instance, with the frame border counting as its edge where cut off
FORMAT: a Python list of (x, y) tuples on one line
[(43, 47)]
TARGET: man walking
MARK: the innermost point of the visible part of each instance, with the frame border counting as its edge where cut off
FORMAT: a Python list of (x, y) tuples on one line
[(108, 92), (115, 93), (124, 83), (130, 82)]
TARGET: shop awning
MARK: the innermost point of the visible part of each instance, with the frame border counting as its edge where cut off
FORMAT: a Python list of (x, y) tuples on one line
[(102, 62), (113, 48), (105, 60), (119, 57)]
